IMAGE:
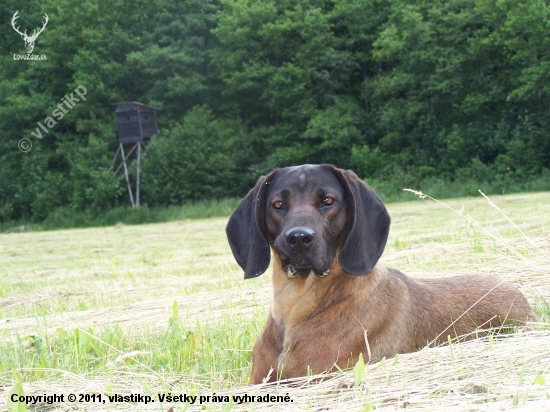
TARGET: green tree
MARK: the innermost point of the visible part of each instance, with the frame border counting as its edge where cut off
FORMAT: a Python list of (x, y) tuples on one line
[(194, 160)]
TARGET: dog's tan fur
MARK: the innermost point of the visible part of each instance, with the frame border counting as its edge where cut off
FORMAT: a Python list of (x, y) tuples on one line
[(317, 323), (337, 310)]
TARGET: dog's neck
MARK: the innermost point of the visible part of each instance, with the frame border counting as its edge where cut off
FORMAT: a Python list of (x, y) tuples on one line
[(302, 298)]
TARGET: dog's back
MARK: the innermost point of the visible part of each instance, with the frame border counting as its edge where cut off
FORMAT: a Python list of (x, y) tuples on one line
[(465, 305)]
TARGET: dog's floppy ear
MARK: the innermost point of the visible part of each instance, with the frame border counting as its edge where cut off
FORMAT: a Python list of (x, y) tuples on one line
[(367, 228), (246, 231)]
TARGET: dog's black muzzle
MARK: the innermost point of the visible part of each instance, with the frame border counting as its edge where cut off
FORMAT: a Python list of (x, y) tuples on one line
[(301, 252), (299, 239)]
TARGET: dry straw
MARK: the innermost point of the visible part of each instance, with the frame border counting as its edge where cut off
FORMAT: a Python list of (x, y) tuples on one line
[(492, 373)]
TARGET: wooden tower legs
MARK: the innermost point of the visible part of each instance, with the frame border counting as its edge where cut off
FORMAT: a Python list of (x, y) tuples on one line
[(123, 165)]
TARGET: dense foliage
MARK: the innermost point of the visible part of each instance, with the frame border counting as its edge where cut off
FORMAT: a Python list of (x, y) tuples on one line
[(405, 93)]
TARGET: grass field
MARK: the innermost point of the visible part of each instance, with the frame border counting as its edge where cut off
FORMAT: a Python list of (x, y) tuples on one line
[(163, 309)]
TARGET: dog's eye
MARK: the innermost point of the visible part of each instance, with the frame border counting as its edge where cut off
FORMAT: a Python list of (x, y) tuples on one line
[(328, 201), (278, 205)]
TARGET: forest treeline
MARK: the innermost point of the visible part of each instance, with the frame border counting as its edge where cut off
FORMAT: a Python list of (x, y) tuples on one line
[(417, 94)]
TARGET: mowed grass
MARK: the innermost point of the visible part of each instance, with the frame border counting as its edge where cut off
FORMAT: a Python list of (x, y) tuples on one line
[(164, 307)]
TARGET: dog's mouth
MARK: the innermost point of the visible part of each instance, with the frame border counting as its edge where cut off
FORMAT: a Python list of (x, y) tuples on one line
[(303, 263), (302, 266), (291, 272)]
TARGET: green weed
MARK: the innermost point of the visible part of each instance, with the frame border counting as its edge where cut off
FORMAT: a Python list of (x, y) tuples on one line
[(206, 351)]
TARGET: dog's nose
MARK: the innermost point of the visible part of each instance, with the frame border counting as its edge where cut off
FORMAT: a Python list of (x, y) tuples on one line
[(299, 238)]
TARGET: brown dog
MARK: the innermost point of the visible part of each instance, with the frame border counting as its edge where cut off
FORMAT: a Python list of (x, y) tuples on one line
[(331, 300)]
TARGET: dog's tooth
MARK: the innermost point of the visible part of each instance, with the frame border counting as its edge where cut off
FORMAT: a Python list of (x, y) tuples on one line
[(325, 274), (290, 273)]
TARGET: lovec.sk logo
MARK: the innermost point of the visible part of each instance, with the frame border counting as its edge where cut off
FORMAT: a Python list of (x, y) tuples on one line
[(29, 40)]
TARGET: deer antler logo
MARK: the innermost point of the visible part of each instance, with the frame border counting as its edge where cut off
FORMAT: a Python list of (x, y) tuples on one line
[(29, 40)]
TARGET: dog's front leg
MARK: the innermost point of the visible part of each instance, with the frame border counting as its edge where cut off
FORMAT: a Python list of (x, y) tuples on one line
[(296, 362), (313, 354), (266, 353)]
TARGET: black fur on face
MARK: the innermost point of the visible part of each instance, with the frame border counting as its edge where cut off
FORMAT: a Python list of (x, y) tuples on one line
[(305, 215)]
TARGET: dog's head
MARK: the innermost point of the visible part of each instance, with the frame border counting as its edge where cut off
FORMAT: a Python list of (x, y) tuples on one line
[(307, 214)]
